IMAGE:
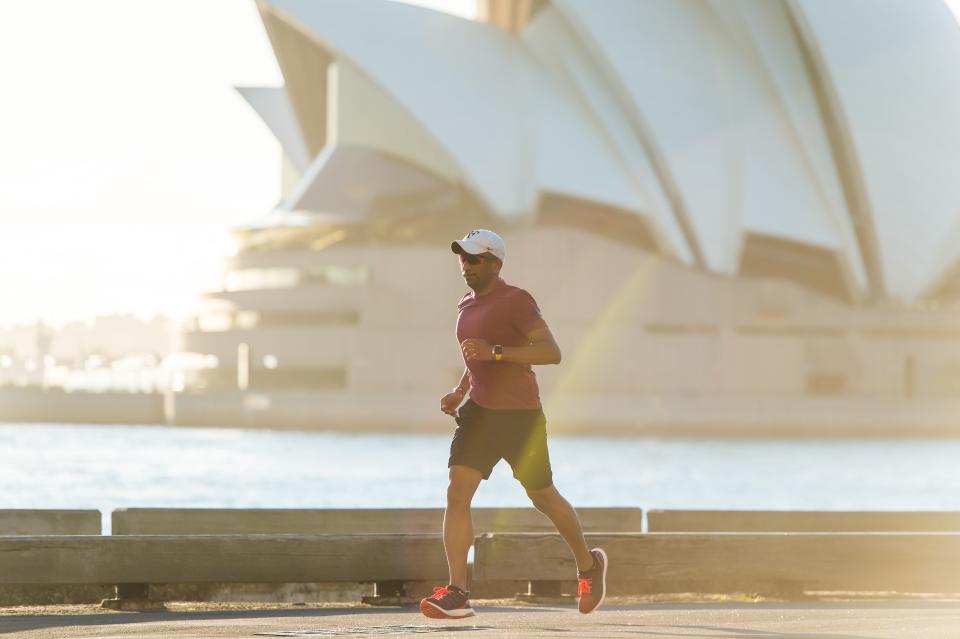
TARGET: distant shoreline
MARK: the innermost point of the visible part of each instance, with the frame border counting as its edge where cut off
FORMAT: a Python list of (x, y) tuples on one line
[(664, 432), (676, 418)]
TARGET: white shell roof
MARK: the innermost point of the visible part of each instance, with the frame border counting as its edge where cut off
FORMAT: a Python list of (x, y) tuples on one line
[(894, 68), (460, 79), (705, 117), (273, 106), (347, 180), (513, 133), (725, 98)]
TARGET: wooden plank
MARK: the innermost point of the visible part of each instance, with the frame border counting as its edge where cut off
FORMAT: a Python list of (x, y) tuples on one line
[(221, 558), (191, 521), (23, 521), (738, 562), (800, 521)]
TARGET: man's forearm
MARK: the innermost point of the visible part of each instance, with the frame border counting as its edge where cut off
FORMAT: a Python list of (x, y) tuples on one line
[(536, 353), (464, 384)]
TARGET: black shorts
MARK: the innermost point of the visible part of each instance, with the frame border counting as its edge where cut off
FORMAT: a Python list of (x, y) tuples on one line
[(485, 436)]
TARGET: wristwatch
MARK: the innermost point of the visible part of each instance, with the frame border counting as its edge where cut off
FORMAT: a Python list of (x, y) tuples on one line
[(498, 352)]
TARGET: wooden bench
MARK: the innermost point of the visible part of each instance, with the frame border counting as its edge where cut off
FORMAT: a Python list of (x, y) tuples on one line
[(346, 521), (169, 521), (769, 563), (131, 561), (23, 521), (800, 521)]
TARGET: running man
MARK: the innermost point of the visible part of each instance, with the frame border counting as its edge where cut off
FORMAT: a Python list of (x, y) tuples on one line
[(501, 334)]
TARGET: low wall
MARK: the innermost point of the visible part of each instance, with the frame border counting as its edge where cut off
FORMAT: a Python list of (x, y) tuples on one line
[(54, 405), (23, 521), (613, 414), (765, 563), (345, 521), (800, 521)]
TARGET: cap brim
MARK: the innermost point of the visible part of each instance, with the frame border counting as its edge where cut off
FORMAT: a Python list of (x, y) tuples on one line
[(461, 246)]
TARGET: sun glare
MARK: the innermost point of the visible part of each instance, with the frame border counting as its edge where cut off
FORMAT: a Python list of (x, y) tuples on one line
[(954, 6)]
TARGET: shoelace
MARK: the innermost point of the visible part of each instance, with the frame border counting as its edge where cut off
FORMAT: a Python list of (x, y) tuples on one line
[(585, 586)]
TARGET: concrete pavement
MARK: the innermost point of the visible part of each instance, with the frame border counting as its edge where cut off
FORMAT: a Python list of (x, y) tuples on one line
[(767, 620)]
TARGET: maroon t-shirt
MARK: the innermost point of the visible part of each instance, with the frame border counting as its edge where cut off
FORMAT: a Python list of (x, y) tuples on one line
[(503, 316)]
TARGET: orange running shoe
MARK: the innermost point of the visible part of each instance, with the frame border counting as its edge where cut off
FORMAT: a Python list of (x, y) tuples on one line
[(447, 602), (593, 583)]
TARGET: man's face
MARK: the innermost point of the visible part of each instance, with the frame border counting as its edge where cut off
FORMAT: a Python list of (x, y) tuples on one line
[(479, 270)]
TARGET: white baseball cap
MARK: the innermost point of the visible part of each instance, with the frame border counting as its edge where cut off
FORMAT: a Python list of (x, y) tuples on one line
[(480, 241)]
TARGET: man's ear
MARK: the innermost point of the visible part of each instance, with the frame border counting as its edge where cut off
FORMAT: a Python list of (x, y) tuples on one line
[(499, 265)]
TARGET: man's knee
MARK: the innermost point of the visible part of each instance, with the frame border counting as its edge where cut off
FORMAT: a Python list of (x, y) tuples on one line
[(461, 488), (458, 496), (546, 500)]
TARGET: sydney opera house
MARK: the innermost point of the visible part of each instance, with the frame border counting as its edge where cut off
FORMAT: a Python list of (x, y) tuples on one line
[(733, 213)]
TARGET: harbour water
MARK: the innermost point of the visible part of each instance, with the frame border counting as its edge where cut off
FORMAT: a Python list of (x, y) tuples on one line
[(106, 467)]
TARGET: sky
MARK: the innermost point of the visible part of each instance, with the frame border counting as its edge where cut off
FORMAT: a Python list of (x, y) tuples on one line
[(126, 154)]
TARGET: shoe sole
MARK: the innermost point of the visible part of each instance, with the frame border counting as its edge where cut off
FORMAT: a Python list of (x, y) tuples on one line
[(430, 609), (606, 564)]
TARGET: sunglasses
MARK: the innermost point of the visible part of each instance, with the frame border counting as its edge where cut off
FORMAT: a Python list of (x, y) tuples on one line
[(472, 259)]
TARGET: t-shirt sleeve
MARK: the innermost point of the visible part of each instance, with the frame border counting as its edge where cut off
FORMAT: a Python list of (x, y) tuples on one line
[(525, 314)]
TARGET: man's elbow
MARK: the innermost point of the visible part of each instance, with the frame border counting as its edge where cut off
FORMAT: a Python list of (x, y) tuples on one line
[(556, 356)]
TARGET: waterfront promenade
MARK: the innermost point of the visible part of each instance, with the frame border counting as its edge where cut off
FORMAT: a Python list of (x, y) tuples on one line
[(495, 619)]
